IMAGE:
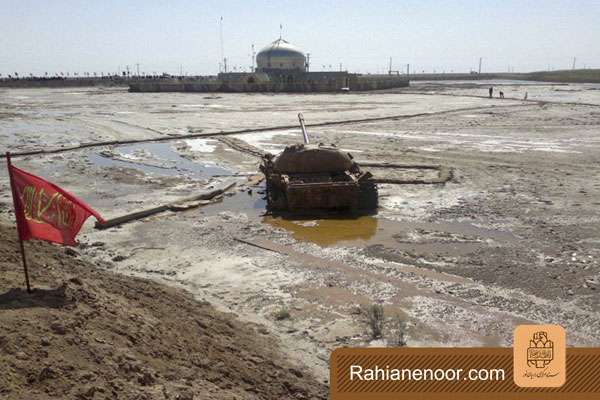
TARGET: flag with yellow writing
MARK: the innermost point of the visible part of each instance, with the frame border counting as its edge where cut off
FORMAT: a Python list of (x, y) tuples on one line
[(45, 211)]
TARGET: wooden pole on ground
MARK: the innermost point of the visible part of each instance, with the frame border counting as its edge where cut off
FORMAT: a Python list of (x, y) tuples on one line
[(18, 210), (155, 210)]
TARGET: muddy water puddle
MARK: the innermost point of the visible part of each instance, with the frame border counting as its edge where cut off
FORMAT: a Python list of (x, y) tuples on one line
[(451, 239), (420, 239), (328, 231), (155, 159), (250, 202)]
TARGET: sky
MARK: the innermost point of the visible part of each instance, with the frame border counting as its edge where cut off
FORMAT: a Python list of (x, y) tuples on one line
[(168, 36)]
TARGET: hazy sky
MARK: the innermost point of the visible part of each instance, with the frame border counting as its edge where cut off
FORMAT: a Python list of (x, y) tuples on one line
[(105, 35)]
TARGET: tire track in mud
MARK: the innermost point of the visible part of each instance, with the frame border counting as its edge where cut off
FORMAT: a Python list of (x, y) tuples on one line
[(496, 308), (198, 135), (467, 293)]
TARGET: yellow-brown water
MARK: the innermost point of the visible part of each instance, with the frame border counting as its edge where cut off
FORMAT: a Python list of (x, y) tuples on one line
[(329, 231), (445, 239), (416, 238)]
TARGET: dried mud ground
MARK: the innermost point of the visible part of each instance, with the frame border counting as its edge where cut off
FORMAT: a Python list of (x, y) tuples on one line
[(85, 333), (514, 238)]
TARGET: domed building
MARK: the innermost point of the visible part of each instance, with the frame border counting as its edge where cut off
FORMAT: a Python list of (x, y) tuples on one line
[(280, 67), (280, 56)]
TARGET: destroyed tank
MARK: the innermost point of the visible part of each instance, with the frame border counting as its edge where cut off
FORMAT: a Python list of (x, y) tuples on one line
[(305, 178)]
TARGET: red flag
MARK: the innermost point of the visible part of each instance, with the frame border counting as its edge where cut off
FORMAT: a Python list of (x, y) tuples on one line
[(45, 211)]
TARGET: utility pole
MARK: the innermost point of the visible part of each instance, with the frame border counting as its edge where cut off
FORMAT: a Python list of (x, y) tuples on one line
[(407, 69), (340, 67), (253, 57), (574, 61), (390, 68), (180, 69), (307, 61), (137, 66), (479, 71), (221, 41)]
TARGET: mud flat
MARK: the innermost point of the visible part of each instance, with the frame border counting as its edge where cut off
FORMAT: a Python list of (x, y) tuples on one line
[(87, 333), (513, 238)]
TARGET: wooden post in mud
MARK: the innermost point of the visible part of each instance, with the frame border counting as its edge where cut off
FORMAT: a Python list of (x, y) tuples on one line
[(15, 206)]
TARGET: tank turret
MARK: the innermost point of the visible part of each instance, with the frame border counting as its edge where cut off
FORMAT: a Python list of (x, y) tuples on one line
[(307, 177)]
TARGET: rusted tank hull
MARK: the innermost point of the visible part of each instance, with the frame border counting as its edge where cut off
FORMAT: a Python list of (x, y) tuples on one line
[(351, 195), (305, 178), (327, 196)]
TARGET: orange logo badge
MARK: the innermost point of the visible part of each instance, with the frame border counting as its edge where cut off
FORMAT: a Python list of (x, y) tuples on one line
[(539, 356)]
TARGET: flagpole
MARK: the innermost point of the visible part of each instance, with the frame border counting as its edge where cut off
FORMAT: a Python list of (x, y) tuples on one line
[(12, 187)]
